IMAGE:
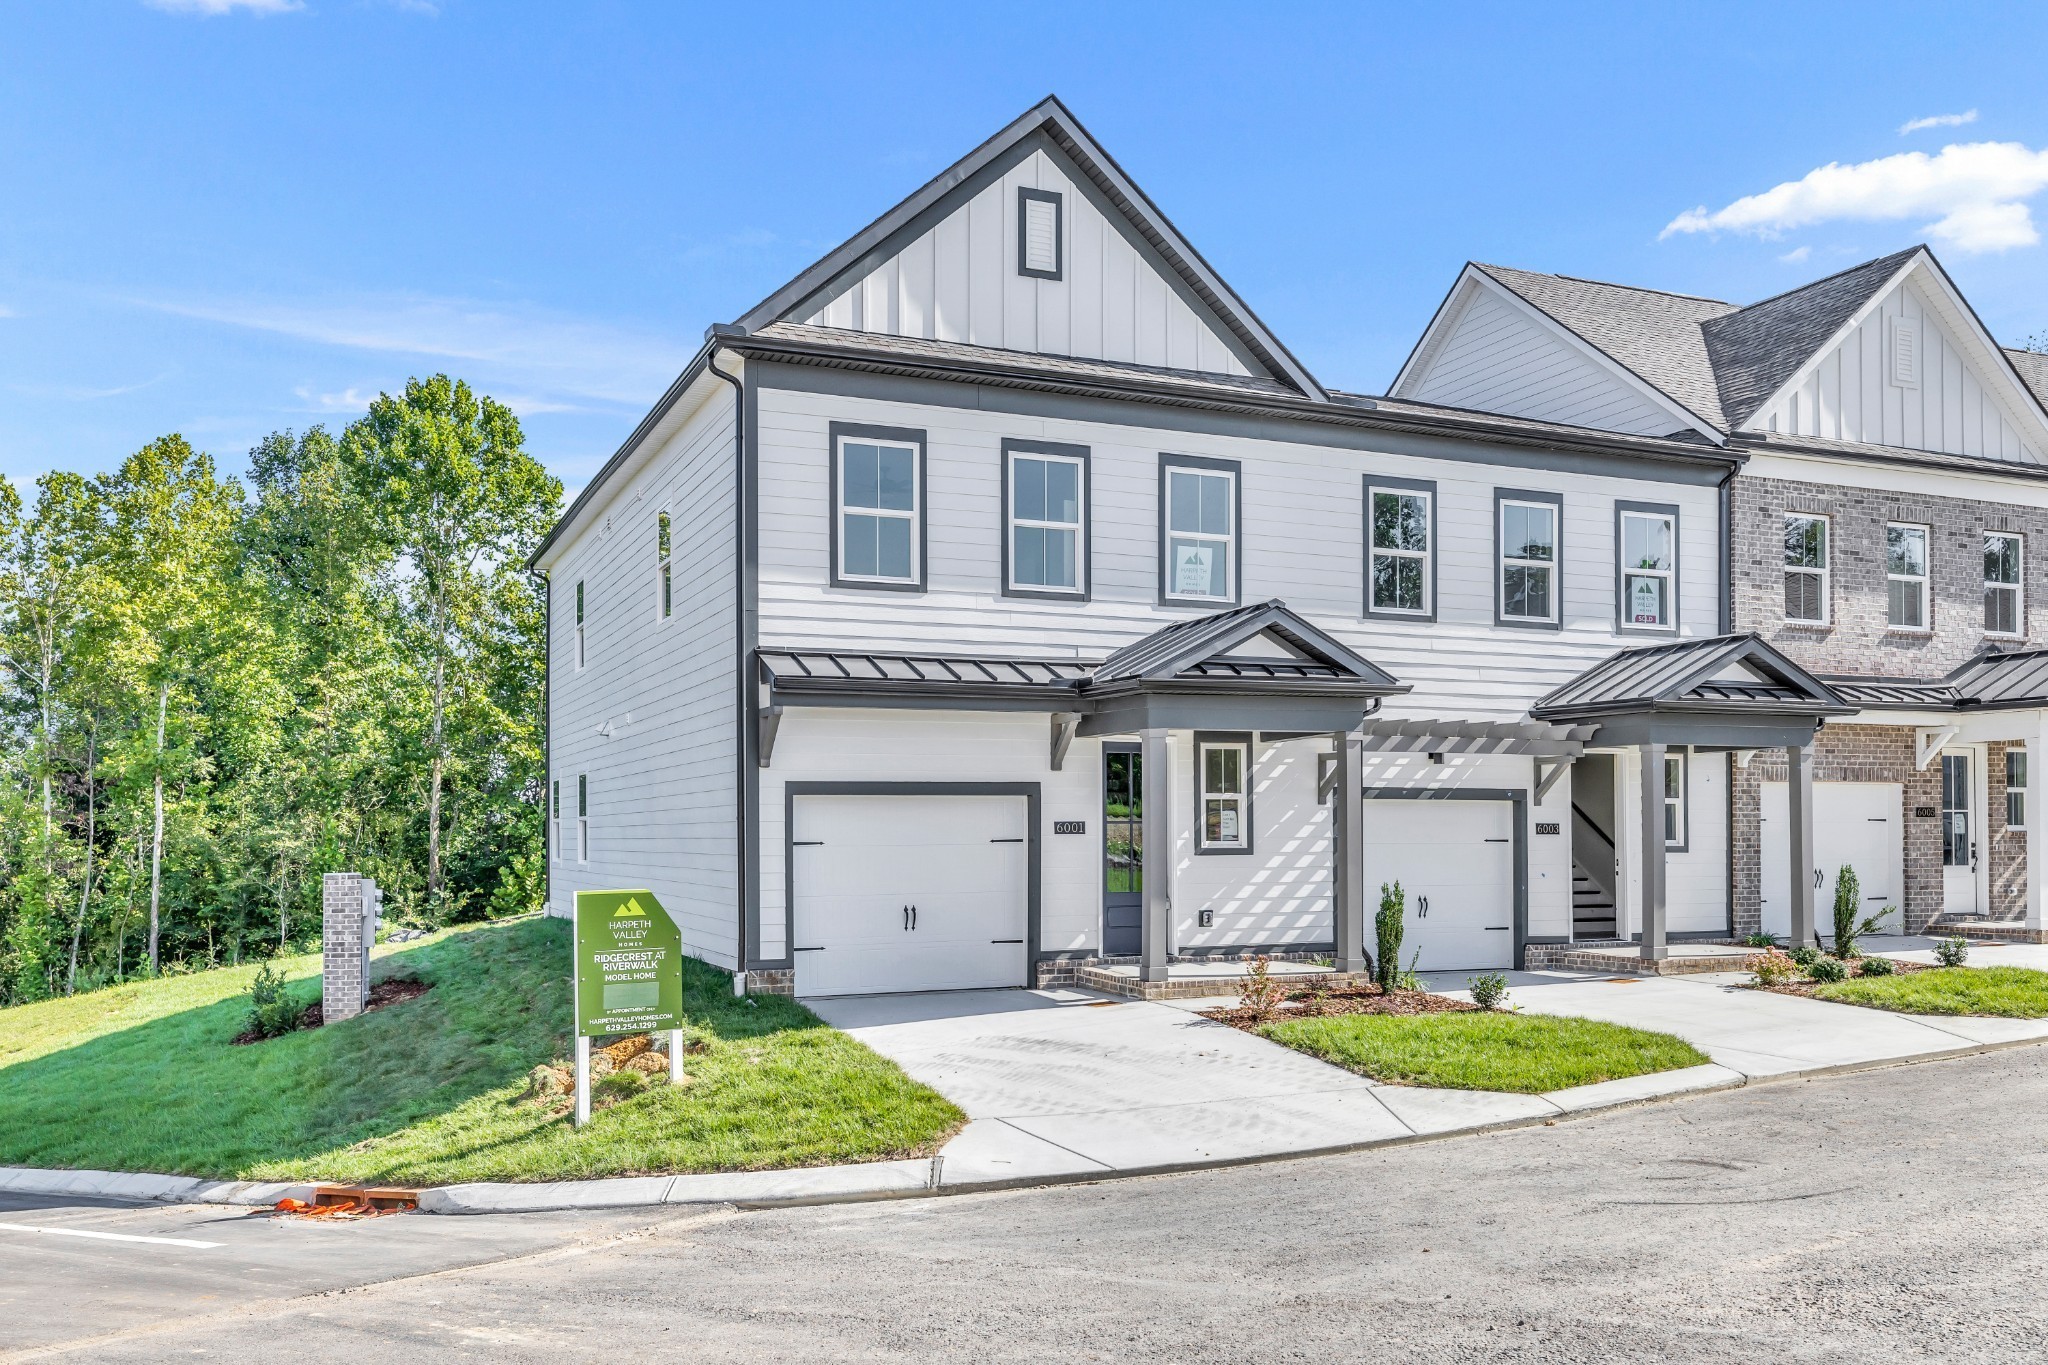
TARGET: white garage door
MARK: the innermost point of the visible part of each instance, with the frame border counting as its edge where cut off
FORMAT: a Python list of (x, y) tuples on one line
[(908, 893), (1855, 824), (1455, 861)]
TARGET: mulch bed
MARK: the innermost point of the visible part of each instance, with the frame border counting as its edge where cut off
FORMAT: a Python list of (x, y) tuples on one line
[(382, 993), (1807, 988), (1310, 1004)]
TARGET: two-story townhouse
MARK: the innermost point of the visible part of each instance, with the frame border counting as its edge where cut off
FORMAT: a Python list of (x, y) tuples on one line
[(1000, 602), (1886, 529)]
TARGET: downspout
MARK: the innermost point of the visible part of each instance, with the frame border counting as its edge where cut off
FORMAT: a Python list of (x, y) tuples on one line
[(743, 818), (1726, 490)]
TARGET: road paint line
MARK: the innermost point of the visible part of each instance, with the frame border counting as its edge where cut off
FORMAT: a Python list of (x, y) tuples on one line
[(106, 1236)]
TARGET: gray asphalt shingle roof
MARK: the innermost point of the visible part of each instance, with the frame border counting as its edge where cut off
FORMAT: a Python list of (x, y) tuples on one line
[(2033, 370)]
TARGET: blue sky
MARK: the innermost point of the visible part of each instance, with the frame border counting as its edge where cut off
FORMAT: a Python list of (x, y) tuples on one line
[(229, 223)]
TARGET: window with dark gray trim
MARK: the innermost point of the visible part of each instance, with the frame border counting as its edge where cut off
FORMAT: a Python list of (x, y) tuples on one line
[(1223, 792), (1041, 228), (1045, 520), (1646, 566), (555, 842), (582, 817), (579, 623), (1527, 535), (1200, 506), (1677, 790), (2005, 607), (664, 587), (878, 507), (1400, 548)]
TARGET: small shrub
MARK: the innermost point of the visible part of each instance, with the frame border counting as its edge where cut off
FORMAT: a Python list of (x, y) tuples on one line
[(1804, 954), (1876, 966), (1773, 968), (1387, 925), (272, 1011), (1490, 991), (1848, 900), (1261, 994), (1952, 952), (1760, 941), (1408, 979), (1827, 969)]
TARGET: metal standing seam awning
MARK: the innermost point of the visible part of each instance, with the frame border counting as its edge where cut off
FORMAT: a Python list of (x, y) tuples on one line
[(1259, 667), (1983, 698)]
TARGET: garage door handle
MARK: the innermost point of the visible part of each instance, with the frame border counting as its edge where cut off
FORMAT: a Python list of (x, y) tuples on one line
[(1422, 907), (1006, 940), (1496, 928), (807, 843), (1499, 841), (1006, 841), (819, 949)]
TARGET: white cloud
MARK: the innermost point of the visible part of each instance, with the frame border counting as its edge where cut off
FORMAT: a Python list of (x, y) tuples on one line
[(1976, 192), (212, 7), (546, 358), (1796, 255), (1914, 125)]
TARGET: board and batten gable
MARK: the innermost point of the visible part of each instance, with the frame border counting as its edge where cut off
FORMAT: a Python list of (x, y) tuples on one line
[(651, 717), (1496, 354), (1943, 401), (964, 279), (1303, 536)]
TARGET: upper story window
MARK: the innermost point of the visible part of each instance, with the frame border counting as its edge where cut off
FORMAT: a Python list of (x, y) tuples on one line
[(1647, 537), (2004, 603), (1675, 784), (1198, 529), (1806, 568), (664, 590), (1223, 793), (1040, 251), (579, 623), (877, 507), (1905, 576), (1526, 546), (555, 841), (1400, 571), (582, 817), (1045, 537)]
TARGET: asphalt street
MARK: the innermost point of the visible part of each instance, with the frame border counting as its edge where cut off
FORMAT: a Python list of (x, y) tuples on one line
[(1891, 1215)]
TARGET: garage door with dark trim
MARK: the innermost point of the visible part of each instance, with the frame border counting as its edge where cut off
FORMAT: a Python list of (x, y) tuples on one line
[(1455, 861), (908, 893)]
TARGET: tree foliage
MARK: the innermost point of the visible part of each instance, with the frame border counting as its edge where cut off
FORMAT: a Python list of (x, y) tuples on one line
[(212, 693)]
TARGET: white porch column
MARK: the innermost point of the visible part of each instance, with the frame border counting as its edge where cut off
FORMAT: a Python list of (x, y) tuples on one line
[(1156, 913), (1799, 812), (2036, 864), (1651, 786), (1347, 810)]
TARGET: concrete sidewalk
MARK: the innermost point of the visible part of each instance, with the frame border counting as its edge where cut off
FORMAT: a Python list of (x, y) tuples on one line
[(1066, 1085)]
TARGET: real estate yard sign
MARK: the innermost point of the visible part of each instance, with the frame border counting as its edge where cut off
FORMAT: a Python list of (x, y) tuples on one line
[(629, 964)]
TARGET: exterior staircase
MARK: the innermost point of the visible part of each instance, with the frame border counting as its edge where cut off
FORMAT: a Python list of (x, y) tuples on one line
[(1592, 907)]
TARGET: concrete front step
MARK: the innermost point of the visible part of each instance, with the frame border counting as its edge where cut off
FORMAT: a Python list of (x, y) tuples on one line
[(1184, 982), (1990, 930), (1618, 958)]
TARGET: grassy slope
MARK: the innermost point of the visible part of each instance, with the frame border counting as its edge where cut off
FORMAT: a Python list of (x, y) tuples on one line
[(2008, 992), (142, 1077), (1528, 1053)]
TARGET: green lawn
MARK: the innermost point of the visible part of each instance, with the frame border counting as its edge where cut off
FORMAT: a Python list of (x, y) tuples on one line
[(1476, 1050), (142, 1077), (2008, 992)]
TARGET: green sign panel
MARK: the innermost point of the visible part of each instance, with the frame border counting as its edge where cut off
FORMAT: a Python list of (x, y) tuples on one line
[(629, 964)]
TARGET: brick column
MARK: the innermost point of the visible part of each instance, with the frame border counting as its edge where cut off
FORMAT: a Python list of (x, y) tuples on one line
[(349, 904)]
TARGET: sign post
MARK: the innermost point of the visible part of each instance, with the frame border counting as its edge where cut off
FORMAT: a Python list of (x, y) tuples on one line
[(629, 977)]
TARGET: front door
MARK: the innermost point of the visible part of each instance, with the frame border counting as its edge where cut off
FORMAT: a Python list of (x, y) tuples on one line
[(1959, 837), (1123, 850)]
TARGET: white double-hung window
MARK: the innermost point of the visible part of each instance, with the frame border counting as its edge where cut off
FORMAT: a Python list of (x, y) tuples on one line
[(1648, 567), (555, 842), (1674, 799), (1046, 495), (1199, 534), (1399, 551), (579, 623), (664, 588), (1223, 793), (2015, 788), (878, 508), (1526, 541), (1806, 568), (582, 817), (1905, 576), (2004, 602)]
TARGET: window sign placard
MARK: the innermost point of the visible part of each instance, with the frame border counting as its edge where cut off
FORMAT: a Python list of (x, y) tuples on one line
[(1191, 569), (629, 964), (1646, 601)]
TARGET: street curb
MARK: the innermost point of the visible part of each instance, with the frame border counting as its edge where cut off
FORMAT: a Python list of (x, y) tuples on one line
[(920, 1178)]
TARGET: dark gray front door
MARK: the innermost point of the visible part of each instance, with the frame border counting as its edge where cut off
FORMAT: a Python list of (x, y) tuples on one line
[(1123, 850)]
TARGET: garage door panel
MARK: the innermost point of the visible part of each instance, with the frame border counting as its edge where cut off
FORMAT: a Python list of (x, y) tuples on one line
[(1855, 824), (858, 861), (1455, 863)]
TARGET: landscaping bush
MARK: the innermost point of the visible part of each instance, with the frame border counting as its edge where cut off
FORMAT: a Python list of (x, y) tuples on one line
[(1877, 966), (1848, 900), (1760, 940), (1773, 968), (1827, 969), (1261, 994), (1804, 954), (1387, 925), (1952, 952), (1488, 991), (272, 1011)]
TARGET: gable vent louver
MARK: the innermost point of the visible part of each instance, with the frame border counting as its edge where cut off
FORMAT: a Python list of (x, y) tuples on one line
[(1905, 372), (1038, 234)]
